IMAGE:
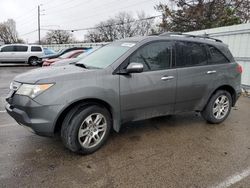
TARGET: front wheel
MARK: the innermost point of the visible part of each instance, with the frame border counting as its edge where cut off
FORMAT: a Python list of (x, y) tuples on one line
[(218, 107), (85, 129)]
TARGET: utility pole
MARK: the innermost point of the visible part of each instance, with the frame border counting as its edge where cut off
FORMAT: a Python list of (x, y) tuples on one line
[(39, 29)]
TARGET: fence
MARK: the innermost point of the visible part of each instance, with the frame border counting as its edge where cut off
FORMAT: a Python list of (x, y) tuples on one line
[(57, 47)]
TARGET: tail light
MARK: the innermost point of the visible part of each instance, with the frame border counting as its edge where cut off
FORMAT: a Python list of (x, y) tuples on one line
[(239, 69)]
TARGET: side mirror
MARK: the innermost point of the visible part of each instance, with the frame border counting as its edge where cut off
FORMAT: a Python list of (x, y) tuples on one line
[(134, 68)]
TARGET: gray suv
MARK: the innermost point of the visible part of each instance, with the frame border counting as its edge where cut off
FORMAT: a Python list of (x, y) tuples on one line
[(127, 80)]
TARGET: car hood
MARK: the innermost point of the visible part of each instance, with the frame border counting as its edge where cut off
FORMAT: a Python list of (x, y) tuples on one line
[(65, 62), (50, 56), (51, 74)]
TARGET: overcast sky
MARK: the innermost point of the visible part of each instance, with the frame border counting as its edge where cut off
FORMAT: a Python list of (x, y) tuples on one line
[(68, 14)]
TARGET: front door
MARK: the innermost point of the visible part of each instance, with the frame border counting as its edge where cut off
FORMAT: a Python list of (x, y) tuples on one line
[(20, 53), (6, 53), (152, 92)]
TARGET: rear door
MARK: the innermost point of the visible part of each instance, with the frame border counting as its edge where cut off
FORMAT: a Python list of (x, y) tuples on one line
[(194, 76), (222, 61), (152, 92), (20, 53)]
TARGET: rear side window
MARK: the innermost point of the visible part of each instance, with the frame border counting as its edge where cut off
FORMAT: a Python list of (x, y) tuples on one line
[(153, 56), (216, 57), (36, 49), (21, 48), (190, 54), (7, 49)]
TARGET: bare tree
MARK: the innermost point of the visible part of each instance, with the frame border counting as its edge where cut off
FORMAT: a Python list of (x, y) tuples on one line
[(8, 32), (58, 37), (125, 25), (93, 36), (107, 30), (144, 26), (121, 26)]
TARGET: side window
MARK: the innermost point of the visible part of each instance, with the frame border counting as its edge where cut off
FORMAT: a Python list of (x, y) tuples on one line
[(216, 57), (7, 49), (36, 49), (190, 54), (153, 56), (21, 48)]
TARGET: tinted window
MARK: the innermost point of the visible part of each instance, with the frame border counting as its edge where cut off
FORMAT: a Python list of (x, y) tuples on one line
[(216, 57), (154, 56), (7, 49), (225, 51), (36, 49), (48, 51), (190, 54), (21, 48)]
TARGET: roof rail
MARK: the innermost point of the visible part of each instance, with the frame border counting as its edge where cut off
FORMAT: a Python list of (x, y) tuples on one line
[(205, 36)]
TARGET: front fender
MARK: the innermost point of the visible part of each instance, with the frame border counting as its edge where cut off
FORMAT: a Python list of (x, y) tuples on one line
[(106, 91)]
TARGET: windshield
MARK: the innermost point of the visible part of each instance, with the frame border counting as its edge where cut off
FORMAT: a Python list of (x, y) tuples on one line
[(106, 55), (48, 51)]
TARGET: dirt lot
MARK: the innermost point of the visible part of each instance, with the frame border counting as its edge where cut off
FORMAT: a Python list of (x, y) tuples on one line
[(179, 151)]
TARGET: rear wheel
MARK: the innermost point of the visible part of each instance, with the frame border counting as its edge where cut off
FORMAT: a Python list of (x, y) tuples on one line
[(86, 129), (33, 61), (218, 107)]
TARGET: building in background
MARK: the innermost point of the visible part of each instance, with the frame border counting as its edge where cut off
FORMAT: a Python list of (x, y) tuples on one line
[(237, 37)]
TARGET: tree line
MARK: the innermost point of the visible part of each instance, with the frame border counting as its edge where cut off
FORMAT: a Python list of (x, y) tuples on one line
[(177, 16), (122, 25)]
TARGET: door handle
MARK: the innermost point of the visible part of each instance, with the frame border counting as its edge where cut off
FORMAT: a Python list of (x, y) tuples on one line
[(167, 77), (211, 72)]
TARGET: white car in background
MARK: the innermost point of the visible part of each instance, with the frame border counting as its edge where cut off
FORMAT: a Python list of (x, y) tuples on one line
[(21, 53)]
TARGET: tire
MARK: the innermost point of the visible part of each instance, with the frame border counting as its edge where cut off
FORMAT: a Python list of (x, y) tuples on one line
[(33, 61), (78, 121), (213, 112)]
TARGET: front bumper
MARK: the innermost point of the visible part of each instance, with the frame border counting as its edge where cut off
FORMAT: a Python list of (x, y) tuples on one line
[(40, 118), (40, 61)]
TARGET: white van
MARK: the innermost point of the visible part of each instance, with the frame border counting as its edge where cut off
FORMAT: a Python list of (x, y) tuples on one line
[(21, 53)]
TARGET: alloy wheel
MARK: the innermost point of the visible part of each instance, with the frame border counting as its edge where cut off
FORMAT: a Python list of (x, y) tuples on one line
[(221, 107), (92, 130)]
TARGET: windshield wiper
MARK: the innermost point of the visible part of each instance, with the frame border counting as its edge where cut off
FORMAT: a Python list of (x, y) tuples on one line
[(80, 65)]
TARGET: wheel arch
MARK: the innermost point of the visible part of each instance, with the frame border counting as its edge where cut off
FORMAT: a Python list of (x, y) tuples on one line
[(83, 102), (227, 88)]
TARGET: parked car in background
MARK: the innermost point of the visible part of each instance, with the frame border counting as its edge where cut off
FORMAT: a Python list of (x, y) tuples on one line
[(61, 52), (127, 80), (73, 60), (21, 53), (48, 51), (68, 55)]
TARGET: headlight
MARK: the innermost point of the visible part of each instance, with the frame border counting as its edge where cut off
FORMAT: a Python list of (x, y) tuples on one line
[(32, 90), (14, 85)]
